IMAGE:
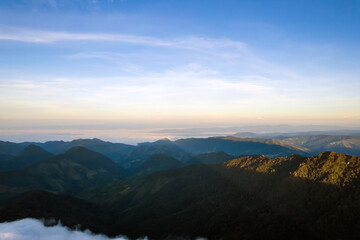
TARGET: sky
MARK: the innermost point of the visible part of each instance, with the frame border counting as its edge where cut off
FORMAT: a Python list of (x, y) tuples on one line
[(126, 65)]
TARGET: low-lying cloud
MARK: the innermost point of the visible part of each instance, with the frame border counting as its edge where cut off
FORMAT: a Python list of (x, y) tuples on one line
[(29, 229)]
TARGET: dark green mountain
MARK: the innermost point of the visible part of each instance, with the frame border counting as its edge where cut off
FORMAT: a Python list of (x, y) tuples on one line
[(127, 156), (252, 197), (249, 197), (210, 158), (137, 156), (4, 157), (157, 162), (71, 172), (28, 156), (186, 149), (320, 143)]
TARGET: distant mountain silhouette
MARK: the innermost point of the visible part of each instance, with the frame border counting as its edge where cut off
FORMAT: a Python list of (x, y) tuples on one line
[(320, 143), (137, 156), (163, 142), (109, 149), (239, 146), (284, 135), (28, 156), (9, 148), (130, 157)]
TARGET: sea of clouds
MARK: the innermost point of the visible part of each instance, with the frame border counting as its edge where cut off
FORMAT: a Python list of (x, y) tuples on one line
[(30, 229)]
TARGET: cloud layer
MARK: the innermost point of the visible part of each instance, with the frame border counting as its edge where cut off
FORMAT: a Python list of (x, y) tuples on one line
[(30, 229)]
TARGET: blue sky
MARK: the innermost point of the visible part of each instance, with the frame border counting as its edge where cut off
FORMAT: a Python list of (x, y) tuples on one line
[(179, 63)]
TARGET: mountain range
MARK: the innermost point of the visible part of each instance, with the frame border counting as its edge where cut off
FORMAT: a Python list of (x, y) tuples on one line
[(69, 172), (292, 197), (129, 156), (217, 188)]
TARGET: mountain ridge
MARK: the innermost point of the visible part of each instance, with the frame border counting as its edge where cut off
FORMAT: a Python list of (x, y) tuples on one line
[(69, 172), (284, 197), (28, 156)]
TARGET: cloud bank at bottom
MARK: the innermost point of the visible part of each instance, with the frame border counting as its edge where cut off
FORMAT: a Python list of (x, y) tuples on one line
[(29, 229)]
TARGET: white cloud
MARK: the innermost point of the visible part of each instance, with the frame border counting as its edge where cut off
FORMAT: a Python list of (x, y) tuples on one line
[(193, 90), (192, 75), (39, 36), (190, 83), (29, 229)]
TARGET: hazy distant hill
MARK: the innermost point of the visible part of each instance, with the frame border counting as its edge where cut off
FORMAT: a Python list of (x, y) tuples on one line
[(143, 152), (283, 135), (109, 149), (130, 157), (320, 143), (71, 172), (239, 146), (163, 142), (127, 156), (28, 156), (9, 148), (186, 149)]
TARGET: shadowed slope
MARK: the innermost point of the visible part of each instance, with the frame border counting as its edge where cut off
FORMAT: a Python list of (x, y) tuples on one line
[(251, 197), (157, 162), (246, 198), (210, 158), (73, 212)]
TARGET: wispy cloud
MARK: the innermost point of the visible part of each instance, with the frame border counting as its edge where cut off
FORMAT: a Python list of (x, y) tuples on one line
[(190, 89), (39, 36), (192, 80)]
